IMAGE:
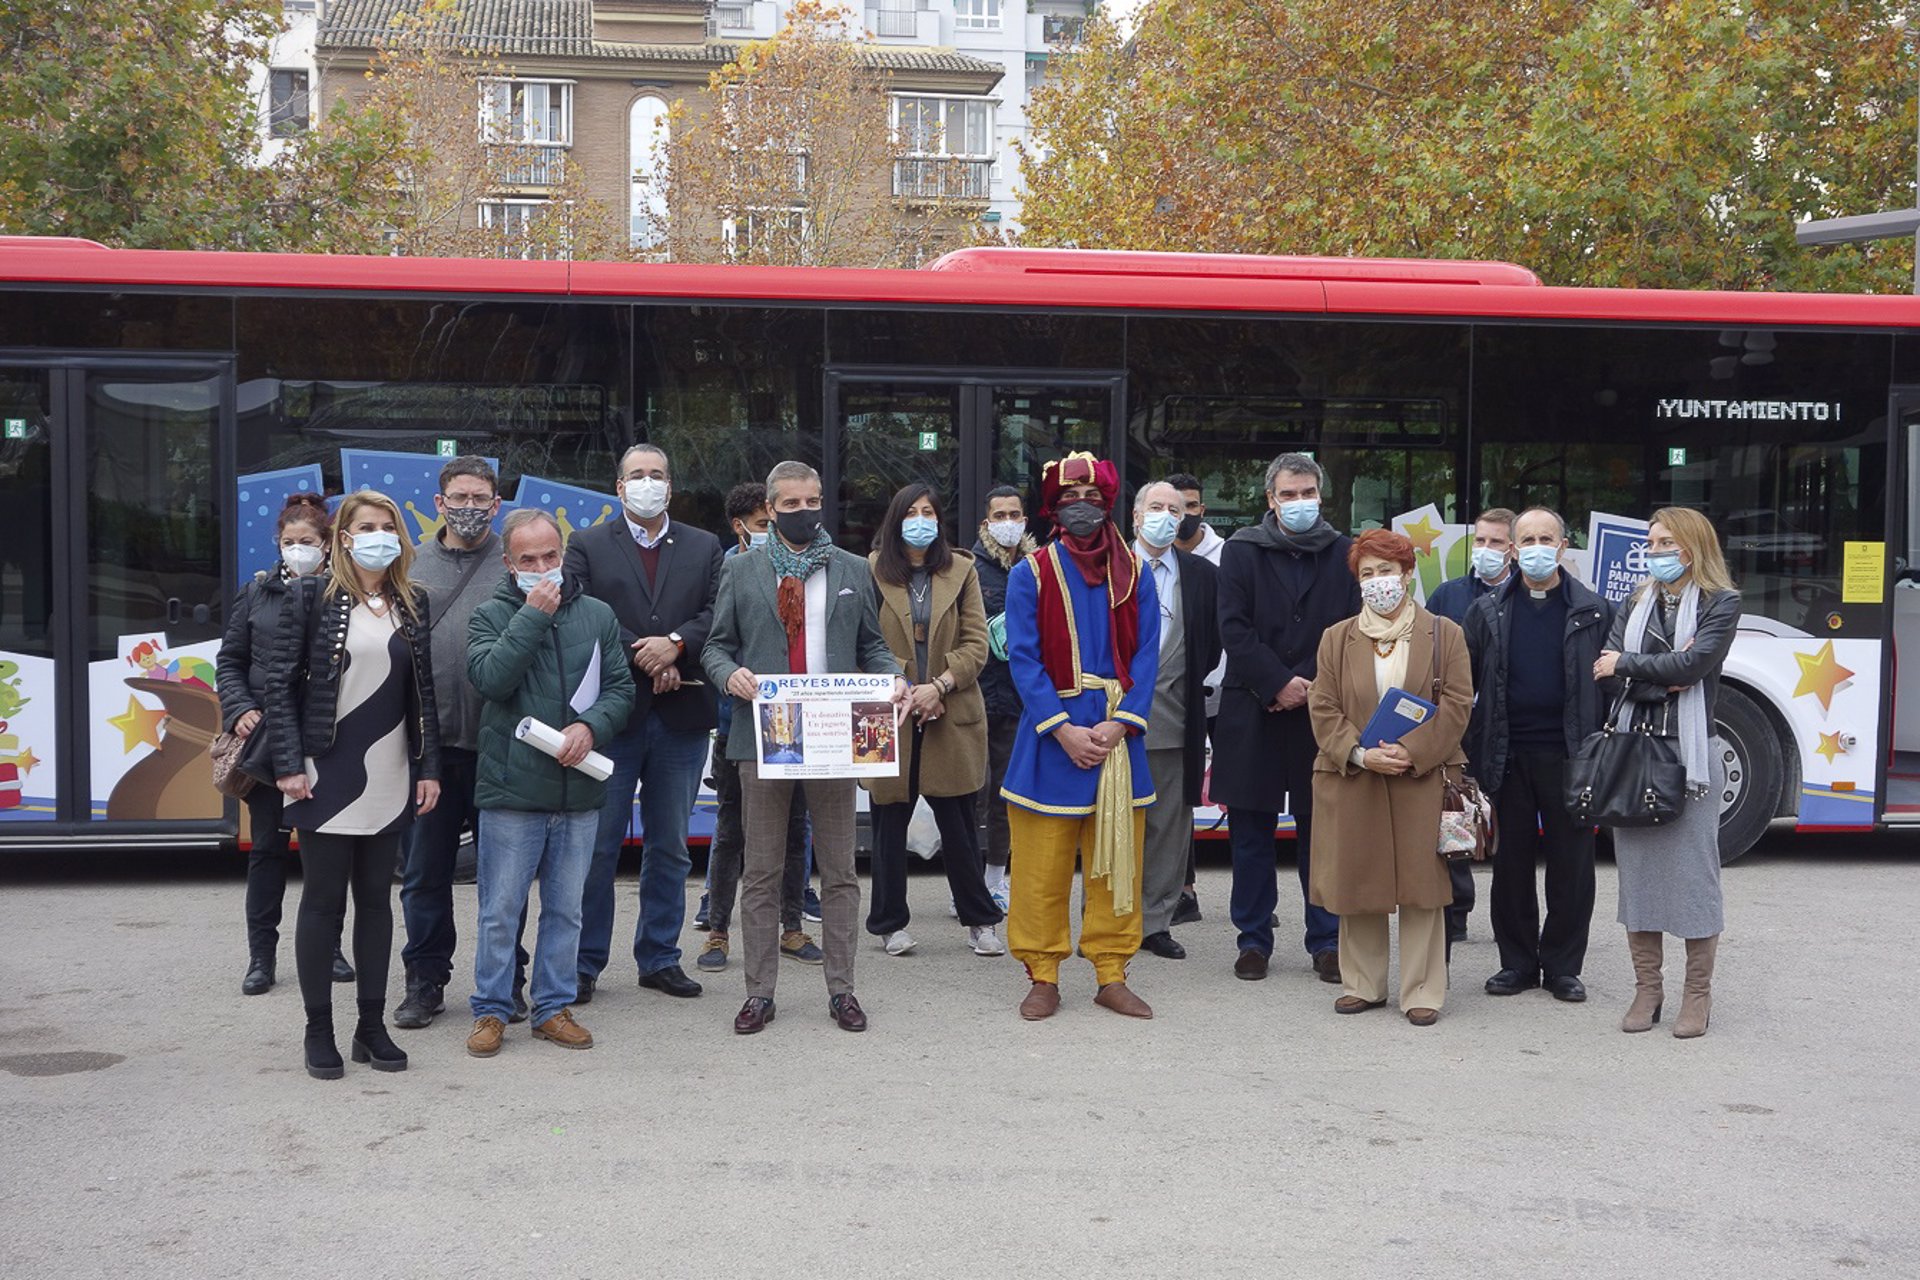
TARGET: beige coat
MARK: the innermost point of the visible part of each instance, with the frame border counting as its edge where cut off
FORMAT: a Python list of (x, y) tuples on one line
[(1374, 836), (956, 743)]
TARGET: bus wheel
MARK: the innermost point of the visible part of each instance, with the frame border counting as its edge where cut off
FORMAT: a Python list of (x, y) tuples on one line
[(1748, 748)]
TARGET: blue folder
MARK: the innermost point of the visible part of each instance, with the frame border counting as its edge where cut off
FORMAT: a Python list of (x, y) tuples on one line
[(1398, 714)]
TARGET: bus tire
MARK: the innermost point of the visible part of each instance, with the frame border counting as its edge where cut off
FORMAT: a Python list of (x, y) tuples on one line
[(1748, 745)]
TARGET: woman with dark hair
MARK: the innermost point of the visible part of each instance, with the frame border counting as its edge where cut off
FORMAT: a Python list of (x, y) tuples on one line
[(1376, 826), (245, 653), (932, 618), (356, 749)]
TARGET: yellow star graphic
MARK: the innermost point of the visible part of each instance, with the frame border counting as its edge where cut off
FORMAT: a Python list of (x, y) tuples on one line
[(26, 760), (1820, 675), (1829, 746), (137, 725), (1423, 535)]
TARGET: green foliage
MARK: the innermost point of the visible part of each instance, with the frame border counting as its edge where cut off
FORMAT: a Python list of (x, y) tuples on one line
[(1651, 143)]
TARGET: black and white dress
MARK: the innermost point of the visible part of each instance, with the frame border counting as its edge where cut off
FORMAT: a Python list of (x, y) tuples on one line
[(363, 785)]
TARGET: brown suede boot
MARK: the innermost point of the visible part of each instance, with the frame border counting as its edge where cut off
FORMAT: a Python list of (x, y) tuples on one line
[(1041, 1002), (1118, 997), (1696, 998), (1648, 993)]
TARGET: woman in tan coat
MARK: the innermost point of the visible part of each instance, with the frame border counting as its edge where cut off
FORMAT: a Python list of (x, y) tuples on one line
[(1376, 809), (930, 613)]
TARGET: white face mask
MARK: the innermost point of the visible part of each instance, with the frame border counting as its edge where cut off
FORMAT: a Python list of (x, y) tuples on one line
[(1383, 594), (1007, 532), (645, 497), (301, 559)]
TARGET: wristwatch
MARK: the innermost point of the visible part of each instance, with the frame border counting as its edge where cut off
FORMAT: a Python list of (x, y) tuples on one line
[(677, 641)]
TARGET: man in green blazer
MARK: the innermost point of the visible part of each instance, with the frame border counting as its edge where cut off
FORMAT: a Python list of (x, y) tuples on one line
[(798, 605)]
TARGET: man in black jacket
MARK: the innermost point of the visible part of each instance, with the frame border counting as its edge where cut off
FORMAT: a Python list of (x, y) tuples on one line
[(1534, 643), (1188, 595), (660, 579), (1003, 542), (1283, 582)]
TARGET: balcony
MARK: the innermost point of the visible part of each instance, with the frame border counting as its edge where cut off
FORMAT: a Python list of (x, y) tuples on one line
[(743, 20), (943, 178), (529, 166), (920, 26), (1059, 31)]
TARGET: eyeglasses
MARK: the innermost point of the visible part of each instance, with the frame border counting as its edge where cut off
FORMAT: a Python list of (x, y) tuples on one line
[(463, 501)]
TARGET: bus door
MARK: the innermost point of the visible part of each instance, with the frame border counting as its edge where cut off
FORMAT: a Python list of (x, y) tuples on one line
[(113, 591), (963, 432), (1903, 766)]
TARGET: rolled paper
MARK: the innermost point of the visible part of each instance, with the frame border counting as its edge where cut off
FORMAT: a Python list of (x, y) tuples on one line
[(545, 737)]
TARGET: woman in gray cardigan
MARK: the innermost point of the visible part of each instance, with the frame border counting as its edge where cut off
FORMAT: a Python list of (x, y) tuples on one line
[(1665, 651)]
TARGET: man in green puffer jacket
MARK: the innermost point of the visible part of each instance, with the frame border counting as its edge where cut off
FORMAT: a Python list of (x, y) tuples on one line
[(533, 650)]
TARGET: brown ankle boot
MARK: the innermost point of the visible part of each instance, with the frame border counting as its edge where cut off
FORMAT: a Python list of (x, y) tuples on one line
[(1696, 998), (1648, 994)]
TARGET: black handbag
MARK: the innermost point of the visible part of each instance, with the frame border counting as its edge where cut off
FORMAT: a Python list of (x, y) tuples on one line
[(1625, 777)]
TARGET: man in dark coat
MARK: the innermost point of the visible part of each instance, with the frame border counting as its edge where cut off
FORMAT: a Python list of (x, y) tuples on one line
[(1283, 582), (1003, 543)]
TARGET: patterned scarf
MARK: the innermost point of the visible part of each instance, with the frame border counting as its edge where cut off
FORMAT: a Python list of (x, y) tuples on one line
[(793, 568), (1695, 732)]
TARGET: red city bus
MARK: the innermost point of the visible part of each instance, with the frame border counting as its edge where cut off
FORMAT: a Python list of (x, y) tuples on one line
[(158, 407)]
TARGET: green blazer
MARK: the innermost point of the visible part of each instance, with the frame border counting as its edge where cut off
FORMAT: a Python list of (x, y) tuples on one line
[(747, 632)]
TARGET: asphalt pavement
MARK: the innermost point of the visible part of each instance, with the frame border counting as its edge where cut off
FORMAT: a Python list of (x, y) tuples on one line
[(160, 1124)]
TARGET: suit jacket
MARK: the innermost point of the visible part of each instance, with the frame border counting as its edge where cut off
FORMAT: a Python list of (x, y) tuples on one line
[(1200, 614), (746, 630), (604, 562)]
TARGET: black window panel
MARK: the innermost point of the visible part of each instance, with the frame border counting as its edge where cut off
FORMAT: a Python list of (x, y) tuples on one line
[(287, 103), (1783, 433), (1906, 359), (95, 321), (974, 339), (1380, 406), (542, 387), (728, 392), (26, 525)]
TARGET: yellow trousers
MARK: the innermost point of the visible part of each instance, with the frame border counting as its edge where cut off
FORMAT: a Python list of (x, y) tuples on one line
[(1039, 927)]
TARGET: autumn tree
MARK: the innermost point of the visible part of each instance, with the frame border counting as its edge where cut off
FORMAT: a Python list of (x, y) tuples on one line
[(131, 122), (1601, 142), (791, 159)]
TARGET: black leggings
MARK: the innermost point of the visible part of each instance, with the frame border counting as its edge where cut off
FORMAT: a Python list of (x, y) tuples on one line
[(329, 865), (266, 871)]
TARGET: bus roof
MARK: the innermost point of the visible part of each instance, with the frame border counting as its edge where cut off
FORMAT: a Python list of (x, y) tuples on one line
[(1111, 281)]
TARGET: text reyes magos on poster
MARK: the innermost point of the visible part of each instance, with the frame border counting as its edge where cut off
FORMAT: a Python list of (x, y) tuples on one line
[(826, 726)]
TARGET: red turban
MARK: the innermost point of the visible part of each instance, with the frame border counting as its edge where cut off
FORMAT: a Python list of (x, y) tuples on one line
[(1076, 469)]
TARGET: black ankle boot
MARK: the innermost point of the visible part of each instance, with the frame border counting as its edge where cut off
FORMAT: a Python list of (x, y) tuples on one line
[(323, 1058), (372, 1044), (259, 979)]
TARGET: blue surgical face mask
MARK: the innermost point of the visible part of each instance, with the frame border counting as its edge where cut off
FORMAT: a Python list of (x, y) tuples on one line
[(1538, 563), (1300, 515), (1158, 528), (1488, 563), (1666, 566), (375, 551), (758, 538), (528, 581), (919, 531)]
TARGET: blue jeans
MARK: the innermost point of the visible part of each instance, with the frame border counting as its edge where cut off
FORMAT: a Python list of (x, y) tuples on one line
[(666, 766), (1256, 891), (516, 848)]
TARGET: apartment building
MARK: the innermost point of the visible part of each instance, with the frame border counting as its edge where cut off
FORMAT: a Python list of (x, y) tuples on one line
[(587, 81), (283, 86)]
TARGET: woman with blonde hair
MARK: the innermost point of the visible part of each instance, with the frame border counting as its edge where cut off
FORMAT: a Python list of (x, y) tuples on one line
[(356, 751), (1663, 659)]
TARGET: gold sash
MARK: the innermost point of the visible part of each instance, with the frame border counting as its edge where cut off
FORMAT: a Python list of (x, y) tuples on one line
[(1113, 854)]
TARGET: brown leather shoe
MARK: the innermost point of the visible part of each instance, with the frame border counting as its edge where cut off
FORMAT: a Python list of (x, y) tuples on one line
[(847, 1013), (1327, 965), (484, 1040), (1041, 1002), (1354, 1004), (1118, 997), (1423, 1017), (564, 1031), (754, 1015), (1252, 965)]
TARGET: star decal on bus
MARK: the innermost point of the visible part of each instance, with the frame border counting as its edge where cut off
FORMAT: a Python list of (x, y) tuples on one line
[(138, 724), (1821, 675), (1830, 746), (1423, 535)]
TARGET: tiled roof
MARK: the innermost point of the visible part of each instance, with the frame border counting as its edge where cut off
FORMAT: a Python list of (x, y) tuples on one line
[(564, 28)]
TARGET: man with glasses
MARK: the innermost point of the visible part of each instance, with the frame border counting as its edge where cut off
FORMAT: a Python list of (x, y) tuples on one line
[(459, 570), (1185, 588)]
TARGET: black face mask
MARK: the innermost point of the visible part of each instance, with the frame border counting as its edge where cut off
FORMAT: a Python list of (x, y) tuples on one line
[(1080, 519), (1189, 529), (797, 527)]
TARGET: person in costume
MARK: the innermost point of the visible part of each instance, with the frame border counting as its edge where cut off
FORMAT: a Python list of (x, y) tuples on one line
[(1077, 782)]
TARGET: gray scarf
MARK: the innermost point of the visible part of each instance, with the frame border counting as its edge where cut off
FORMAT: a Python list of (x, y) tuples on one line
[(1694, 730)]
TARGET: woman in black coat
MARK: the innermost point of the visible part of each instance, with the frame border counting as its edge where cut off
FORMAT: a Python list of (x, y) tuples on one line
[(245, 654)]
